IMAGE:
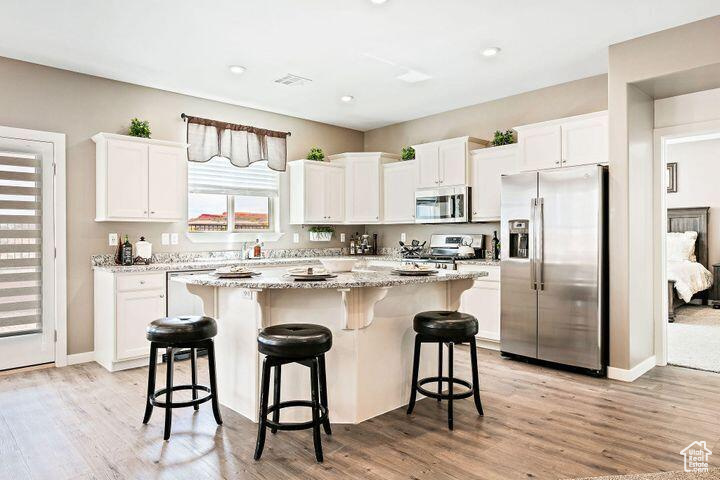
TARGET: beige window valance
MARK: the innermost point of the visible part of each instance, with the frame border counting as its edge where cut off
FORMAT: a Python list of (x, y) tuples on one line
[(241, 144)]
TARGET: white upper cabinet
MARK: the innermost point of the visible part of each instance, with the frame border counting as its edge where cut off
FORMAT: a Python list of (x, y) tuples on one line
[(445, 163), (399, 183), (139, 179), (317, 192), (579, 140), (363, 184), (487, 165)]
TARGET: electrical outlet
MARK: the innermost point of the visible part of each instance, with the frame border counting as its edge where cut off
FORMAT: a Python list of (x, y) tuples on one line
[(403, 238), (113, 239), (296, 238), (165, 239), (174, 238), (342, 237)]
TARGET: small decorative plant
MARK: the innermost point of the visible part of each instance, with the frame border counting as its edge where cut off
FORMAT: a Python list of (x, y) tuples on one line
[(321, 233), (407, 153), (503, 138), (316, 154), (139, 128)]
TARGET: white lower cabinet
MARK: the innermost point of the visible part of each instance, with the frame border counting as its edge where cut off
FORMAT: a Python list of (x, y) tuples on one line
[(483, 302), (125, 303)]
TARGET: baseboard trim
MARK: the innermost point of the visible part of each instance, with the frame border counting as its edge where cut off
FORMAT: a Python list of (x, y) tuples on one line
[(487, 343), (632, 374), (77, 358)]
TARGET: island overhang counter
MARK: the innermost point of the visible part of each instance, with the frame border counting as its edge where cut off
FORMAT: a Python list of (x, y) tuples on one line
[(370, 315)]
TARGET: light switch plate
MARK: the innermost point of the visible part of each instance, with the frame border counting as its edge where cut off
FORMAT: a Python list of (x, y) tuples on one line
[(403, 238), (113, 239), (174, 238), (296, 238), (342, 237), (165, 239)]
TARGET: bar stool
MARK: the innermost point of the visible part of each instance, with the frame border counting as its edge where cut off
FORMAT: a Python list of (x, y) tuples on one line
[(181, 332), (301, 343), (450, 328)]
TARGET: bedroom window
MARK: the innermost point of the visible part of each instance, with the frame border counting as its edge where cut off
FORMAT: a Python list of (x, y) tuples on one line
[(224, 199)]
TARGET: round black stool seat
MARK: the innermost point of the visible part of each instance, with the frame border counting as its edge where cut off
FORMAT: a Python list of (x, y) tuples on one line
[(295, 340), (172, 330), (445, 324)]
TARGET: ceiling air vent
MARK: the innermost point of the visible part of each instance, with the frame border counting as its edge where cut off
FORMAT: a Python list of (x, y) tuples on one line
[(292, 80)]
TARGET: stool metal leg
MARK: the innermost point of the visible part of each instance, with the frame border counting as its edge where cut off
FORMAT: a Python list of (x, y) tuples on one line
[(413, 385), (276, 396), (168, 395), (151, 382), (475, 380), (440, 369), (213, 381), (450, 385), (262, 415), (193, 373), (314, 383), (323, 393)]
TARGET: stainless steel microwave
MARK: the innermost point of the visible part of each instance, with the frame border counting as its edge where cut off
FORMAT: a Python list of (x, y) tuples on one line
[(442, 205)]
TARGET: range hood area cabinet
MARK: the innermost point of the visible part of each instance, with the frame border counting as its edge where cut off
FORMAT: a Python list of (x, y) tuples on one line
[(487, 166), (399, 184), (445, 162), (317, 192), (363, 184), (139, 179), (565, 142)]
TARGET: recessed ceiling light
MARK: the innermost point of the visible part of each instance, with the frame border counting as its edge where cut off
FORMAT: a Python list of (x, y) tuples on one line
[(378, 2), (491, 52), (237, 69), (347, 98)]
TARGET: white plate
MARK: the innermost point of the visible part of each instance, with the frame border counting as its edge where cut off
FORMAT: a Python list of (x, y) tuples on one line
[(415, 273), (236, 275), (314, 271)]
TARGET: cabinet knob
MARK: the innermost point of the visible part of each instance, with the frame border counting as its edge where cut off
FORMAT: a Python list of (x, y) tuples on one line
[(162, 295), (152, 211), (144, 212), (377, 218), (142, 282)]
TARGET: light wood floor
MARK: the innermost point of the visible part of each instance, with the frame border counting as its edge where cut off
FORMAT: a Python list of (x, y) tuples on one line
[(83, 422)]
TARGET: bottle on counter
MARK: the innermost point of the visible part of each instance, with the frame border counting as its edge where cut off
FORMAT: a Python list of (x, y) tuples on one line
[(352, 245), (375, 244), (118, 251), (126, 254), (257, 249), (495, 246)]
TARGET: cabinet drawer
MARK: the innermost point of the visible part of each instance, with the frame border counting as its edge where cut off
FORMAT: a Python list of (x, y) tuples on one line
[(493, 272), (140, 281)]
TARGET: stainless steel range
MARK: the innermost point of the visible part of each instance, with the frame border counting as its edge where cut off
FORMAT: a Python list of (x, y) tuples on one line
[(445, 249)]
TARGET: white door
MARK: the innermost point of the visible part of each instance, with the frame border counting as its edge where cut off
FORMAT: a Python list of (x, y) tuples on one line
[(127, 184), (585, 141), (540, 147), (426, 157), (452, 163), (487, 166), (27, 253), (314, 191), (135, 310), (335, 194), (362, 181), (399, 192), (167, 182)]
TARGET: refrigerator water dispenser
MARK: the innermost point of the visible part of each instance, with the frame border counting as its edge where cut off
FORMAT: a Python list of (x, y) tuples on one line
[(518, 238)]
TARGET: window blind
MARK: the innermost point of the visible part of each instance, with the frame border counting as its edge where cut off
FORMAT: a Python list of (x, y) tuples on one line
[(20, 244), (218, 175)]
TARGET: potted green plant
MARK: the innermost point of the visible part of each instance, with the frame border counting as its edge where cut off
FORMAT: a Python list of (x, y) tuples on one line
[(321, 233), (503, 138), (407, 153), (139, 128), (316, 154)]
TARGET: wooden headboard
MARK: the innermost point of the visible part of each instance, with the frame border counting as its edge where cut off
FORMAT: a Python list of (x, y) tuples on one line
[(692, 220)]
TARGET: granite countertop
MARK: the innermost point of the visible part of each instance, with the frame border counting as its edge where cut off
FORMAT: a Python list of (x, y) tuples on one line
[(478, 261), (215, 263), (355, 279)]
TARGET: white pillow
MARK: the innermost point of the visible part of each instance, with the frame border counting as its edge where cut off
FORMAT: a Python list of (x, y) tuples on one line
[(681, 246)]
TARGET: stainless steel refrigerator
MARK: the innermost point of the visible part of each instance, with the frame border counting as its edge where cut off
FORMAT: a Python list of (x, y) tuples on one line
[(554, 266)]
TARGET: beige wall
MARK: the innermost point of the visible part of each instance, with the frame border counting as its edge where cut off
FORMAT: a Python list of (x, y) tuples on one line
[(695, 107), (657, 55), (42, 98), (573, 98)]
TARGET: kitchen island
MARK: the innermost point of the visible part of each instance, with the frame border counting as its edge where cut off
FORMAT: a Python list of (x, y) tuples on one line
[(369, 312)]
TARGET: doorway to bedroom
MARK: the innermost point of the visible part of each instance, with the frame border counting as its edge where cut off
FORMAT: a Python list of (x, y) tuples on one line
[(692, 243)]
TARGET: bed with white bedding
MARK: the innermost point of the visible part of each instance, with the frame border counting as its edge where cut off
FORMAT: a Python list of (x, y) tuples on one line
[(687, 257)]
